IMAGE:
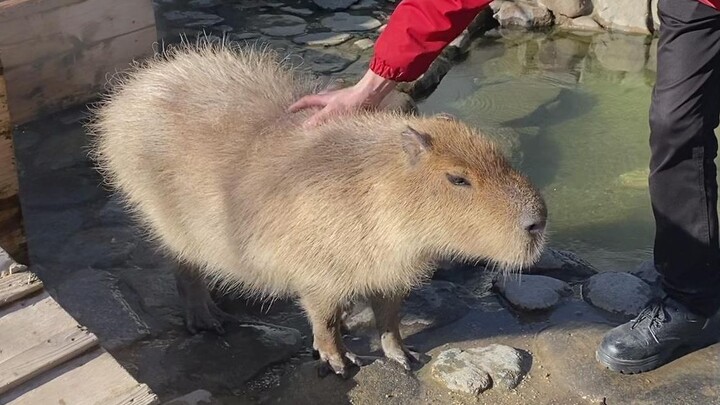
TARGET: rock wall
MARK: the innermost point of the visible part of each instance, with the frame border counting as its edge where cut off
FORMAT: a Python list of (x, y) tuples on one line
[(631, 16)]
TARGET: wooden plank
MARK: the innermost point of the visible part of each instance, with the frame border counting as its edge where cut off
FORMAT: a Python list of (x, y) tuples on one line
[(92, 379), (74, 77), (57, 349), (12, 237), (18, 285), (59, 53), (37, 30)]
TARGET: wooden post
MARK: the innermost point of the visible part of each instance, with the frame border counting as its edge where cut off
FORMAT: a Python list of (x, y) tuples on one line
[(12, 237)]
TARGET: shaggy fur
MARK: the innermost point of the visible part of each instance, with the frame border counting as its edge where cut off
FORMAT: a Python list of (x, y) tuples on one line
[(199, 144)]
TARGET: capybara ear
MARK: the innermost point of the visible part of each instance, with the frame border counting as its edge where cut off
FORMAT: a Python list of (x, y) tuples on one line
[(445, 116), (415, 143)]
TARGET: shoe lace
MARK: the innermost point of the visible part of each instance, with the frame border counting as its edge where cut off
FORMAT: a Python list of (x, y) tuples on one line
[(656, 314)]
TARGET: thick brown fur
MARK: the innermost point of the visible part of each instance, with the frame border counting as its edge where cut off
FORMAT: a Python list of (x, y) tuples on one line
[(200, 146)]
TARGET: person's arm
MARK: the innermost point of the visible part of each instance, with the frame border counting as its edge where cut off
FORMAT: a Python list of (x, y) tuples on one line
[(418, 30)]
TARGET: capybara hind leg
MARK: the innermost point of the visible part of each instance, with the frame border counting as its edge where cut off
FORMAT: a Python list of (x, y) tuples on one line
[(201, 312), (327, 340), (387, 320)]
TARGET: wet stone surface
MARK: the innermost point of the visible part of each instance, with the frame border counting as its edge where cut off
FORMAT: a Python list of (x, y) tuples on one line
[(620, 293), (532, 293)]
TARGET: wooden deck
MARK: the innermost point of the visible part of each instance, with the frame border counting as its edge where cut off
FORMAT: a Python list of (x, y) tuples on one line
[(46, 357)]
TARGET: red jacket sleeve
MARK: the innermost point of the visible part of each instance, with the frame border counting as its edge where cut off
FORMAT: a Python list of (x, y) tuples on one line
[(417, 32)]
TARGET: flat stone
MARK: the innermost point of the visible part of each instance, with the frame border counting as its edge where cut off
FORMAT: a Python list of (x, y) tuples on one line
[(531, 293), (193, 18), (364, 4), (399, 102), (364, 43), (211, 362), (619, 293), (334, 4), (434, 305), (567, 354), (563, 265), (473, 371), (322, 39), (94, 298), (622, 15), (281, 25), (297, 11), (60, 189), (204, 3), (341, 22), (244, 36), (100, 247), (325, 62), (617, 52), (197, 397), (568, 8)]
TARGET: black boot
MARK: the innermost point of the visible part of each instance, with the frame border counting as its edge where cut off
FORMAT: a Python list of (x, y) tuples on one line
[(648, 341)]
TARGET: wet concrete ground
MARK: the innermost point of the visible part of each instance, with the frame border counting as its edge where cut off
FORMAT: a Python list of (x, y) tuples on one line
[(96, 264)]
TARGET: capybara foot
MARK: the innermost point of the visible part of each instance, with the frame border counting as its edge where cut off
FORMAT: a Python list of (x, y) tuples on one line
[(205, 315), (404, 356), (341, 365)]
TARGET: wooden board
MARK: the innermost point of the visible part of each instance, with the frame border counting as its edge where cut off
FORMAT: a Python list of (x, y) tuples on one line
[(11, 230), (46, 357), (18, 285), (58, 53)]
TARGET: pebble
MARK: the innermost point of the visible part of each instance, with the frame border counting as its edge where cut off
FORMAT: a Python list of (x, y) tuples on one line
[(364, 43), (341, 22), (322, 39), (532, 293), (473, 371), (297, 11), (620, 293), (322, 62)]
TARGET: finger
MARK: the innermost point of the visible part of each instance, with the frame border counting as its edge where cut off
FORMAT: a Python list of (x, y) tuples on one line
[(319, 118), (314, 100)]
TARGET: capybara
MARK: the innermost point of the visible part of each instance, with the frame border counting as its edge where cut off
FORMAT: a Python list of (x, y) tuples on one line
[(199, 143)]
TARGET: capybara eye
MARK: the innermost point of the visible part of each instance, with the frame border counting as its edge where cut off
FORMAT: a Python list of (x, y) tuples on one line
[(458, 180)]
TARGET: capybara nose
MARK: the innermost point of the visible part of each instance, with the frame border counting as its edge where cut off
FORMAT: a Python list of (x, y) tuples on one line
[(534, 224)]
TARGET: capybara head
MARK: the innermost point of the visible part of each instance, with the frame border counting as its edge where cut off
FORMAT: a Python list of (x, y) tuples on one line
[(470, 199)]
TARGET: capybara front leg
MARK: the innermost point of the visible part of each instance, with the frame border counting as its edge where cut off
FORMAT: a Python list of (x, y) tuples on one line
[(201, 312), (387, 320), (325, 319)]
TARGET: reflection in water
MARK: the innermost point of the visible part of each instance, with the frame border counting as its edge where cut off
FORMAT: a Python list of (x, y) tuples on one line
[(576, 108)]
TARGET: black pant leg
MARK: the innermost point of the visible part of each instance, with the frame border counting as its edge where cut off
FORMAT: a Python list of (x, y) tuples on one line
[(683, 188)]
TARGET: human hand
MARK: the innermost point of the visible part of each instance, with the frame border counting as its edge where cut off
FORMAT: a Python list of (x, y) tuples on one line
[(367, 93)]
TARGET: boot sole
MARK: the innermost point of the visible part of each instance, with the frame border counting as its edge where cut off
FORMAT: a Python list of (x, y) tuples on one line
[(633, 366)]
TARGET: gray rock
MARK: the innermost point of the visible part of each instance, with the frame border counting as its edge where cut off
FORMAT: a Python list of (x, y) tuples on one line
[(617, 52), (334, 5), (197, 397), (342, 22), (647, 273), (522, 15), (584, 23), (531, 293), (400, 102), (364, 43), (568, 8), (281, 25), (94, 298), (244, 36), (619, 293), (8, 265), (563, 265), (622, 15), (325, 62), (322, 39), (63, 150), (655, 16), (473, 371), (297, 11)]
